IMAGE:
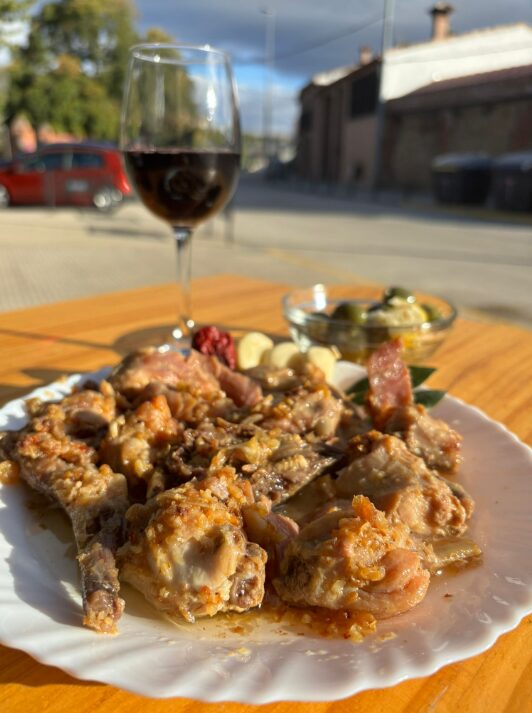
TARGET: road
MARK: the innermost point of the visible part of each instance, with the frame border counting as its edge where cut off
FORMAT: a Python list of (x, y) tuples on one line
[(279, 234)]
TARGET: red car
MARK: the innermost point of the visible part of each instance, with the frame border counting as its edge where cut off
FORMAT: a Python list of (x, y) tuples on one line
[(65, 174)]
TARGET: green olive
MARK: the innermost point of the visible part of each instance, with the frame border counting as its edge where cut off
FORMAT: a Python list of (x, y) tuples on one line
[(349, 312), (398, 293), (432, 312)]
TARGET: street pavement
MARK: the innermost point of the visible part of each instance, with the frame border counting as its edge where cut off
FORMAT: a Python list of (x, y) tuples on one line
[(481, 262)]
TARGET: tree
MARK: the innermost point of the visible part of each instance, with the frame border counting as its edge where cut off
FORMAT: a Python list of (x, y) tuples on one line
[(70, 74), (11, 12)]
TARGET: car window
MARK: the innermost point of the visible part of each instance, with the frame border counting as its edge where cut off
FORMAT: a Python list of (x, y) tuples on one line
[(52, 161), (87, 160), (32, 164)]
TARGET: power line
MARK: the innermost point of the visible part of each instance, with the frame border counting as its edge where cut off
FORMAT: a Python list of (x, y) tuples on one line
[(315, 44), (328, 40)]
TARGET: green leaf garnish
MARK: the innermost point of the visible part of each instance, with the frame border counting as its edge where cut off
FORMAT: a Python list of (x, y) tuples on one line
[(428, 397), (359, 387), (420, 374)]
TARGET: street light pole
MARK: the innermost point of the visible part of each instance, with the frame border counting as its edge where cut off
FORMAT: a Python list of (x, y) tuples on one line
[(267, 101), (386, 44)]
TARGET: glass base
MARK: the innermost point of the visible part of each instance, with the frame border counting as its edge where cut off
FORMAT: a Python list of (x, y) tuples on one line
[(164, 337)]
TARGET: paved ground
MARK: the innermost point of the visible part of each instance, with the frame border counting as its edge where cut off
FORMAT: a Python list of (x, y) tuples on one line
[(279, 234)]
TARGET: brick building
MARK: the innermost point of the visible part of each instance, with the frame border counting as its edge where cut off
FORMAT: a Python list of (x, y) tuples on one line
[(464, 92)]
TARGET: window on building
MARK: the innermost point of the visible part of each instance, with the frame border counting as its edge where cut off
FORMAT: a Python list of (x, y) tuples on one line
[(364, 95), (305, 122)]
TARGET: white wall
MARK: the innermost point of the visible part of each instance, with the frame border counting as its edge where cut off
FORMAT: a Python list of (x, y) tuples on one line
[(409, 68)]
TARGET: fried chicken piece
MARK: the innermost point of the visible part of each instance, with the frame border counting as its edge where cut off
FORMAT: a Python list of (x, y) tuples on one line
[(392, 408), (205, 374), (95, 499), (382, 468), (188, 552), (353, 559)]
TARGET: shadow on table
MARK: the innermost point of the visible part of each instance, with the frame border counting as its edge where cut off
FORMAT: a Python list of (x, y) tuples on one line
[(31, 674)]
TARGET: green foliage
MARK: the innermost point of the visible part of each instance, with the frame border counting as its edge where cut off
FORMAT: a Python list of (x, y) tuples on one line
[(71, 72), (14, 10)]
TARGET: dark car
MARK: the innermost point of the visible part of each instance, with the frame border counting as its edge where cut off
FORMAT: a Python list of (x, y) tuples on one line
[(65, 174)]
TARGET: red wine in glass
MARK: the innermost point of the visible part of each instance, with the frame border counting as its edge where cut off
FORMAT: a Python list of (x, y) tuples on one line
[(183, 187)]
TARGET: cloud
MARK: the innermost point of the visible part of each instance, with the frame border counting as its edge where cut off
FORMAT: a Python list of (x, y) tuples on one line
[(285, 109), (239, 27)]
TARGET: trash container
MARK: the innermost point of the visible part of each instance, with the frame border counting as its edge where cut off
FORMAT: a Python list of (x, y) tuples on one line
[(461, 178), (512, 181)]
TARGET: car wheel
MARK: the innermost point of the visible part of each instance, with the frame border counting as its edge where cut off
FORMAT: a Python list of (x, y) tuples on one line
[(5, 198), (106, 198)]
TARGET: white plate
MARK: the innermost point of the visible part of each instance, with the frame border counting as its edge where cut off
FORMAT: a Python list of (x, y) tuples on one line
[(40, 609)]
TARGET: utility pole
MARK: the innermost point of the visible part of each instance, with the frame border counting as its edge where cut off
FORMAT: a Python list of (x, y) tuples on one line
[(267, 101), (386, 44)]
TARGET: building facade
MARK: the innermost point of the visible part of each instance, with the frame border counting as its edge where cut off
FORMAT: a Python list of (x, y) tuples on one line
[(484, 113), (425, 113)]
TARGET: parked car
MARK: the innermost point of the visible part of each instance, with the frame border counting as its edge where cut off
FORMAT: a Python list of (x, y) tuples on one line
[(65, 174)]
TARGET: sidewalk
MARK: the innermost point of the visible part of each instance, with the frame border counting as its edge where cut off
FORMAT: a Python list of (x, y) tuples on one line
[(278, 234)]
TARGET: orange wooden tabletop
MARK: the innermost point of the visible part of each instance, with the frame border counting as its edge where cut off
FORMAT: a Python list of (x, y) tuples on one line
[(486, 365)]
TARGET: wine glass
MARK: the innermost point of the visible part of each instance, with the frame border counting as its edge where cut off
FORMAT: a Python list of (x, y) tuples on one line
[(180, 137)]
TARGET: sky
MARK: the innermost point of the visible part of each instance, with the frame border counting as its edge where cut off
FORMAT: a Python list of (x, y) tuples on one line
[(303, 29)]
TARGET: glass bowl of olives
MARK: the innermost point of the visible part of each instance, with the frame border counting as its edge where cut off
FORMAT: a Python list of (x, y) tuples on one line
[(358, 321)]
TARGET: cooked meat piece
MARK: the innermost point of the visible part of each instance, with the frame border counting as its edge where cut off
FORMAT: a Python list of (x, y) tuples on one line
[(427, 437), (189, 406), (136, 442), (271, 530), (148, 366), (239, 387), (95, 499), (188, 553), (390, 386), (276, 464), (392, 409), (89, 412), (63, 468), (272, 379), (398, 482), (206, 375), (302, 411), (444, 551), (353, 559), (304, 505)]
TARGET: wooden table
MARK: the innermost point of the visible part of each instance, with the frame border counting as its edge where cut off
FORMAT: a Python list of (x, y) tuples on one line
[(486, 365)]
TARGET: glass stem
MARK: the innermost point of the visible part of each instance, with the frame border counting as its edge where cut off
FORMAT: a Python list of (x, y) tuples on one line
[(185, 323)]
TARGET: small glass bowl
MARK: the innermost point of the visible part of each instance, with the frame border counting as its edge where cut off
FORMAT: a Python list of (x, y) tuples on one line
[(308, 311)]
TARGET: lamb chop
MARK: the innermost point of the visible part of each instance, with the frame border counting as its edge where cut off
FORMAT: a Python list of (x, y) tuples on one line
[(63, 468), (353, 558), (392, 408), (187, 550)]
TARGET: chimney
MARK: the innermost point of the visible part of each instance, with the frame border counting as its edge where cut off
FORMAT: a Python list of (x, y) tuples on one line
[(365, 55), (441, 20)]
